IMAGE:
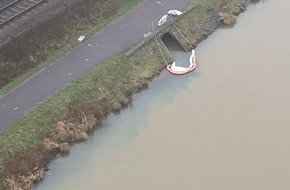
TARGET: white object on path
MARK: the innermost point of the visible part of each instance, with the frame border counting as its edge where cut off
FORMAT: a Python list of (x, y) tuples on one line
[(162, 20), (81, 38), (175, 12), (148, 34)]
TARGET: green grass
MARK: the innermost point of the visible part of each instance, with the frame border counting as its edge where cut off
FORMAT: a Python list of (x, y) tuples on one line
[(107, 80), (40, 122), (87, 30)]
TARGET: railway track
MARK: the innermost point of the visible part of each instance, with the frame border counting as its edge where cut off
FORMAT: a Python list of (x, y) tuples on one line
[(15, 9)]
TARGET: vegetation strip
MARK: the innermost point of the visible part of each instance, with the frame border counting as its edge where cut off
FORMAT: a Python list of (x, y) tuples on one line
[(29, 145), (36, 51)]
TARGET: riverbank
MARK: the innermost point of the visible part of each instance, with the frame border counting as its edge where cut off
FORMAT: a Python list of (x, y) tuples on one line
[(68, 117)]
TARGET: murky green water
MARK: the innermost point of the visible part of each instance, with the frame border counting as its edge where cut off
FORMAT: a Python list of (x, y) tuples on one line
[(225, 126)]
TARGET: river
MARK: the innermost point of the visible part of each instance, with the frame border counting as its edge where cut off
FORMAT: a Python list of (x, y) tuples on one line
[(224, 126)]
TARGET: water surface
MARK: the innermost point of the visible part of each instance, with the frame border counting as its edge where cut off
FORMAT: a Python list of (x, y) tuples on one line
[(225, 126)]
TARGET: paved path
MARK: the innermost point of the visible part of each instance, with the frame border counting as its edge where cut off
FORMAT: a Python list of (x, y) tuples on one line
[(118, 36)]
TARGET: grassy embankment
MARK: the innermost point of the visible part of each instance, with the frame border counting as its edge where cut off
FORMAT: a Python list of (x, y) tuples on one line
[(67, 117), (61, 35)]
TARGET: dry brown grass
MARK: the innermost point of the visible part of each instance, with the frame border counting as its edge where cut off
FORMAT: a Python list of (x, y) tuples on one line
[(54, 147), (64, 148), (28, 168), (50, 145), (227, 19), (74, 131), (24, 182)]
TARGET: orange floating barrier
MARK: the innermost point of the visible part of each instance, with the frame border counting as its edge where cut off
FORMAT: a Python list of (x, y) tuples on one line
[(176, 70)]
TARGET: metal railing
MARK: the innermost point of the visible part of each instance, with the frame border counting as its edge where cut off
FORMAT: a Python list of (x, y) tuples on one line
[(15, 9)]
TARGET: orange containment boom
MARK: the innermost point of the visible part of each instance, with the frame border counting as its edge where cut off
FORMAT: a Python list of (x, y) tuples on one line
[(176, 70)]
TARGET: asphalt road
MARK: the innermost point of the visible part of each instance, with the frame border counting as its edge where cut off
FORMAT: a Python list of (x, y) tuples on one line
[(118, 36)]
